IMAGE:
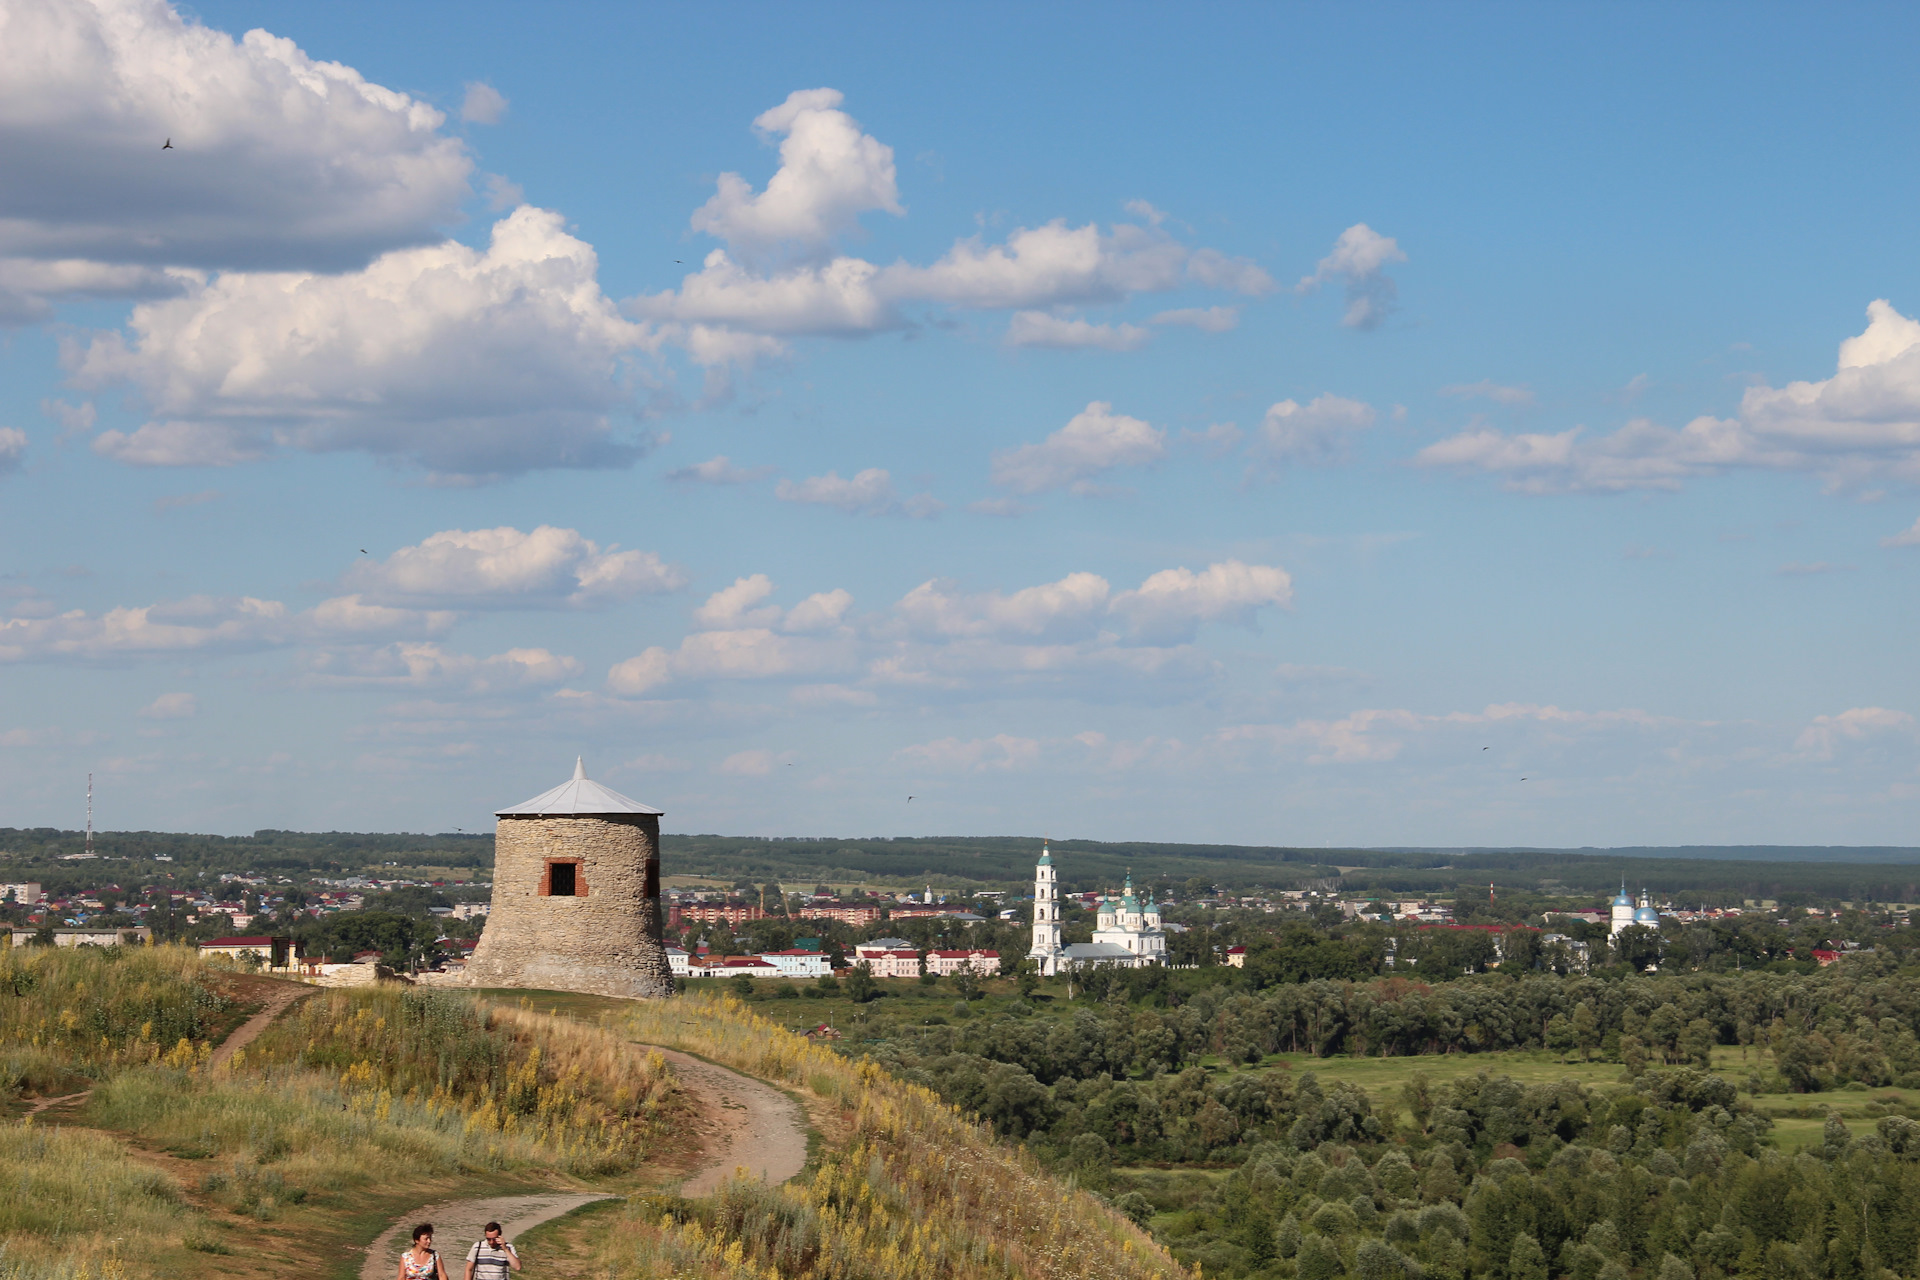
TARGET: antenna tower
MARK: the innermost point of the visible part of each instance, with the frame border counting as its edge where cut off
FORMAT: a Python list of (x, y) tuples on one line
[(89, 815)]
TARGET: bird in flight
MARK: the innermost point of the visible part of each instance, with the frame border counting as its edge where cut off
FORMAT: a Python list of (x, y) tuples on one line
[(909, 799), (363, 551), (1486, 748), (167, 145)]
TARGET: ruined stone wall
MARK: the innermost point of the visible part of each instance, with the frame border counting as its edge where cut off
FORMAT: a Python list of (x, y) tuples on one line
[(605, 940)]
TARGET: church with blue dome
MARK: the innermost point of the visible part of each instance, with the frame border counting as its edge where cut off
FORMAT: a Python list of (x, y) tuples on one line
[(1627, 912)]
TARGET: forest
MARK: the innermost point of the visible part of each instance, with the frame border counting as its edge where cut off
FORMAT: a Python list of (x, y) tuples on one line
[(1667, 1171)]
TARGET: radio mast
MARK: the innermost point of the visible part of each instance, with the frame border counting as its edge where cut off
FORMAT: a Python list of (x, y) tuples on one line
[(89, 815)]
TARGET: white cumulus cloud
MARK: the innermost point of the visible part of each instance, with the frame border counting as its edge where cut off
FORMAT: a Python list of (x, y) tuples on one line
[(428, 666), (1318, 431), (1067, 333), (483, 104), (471, 363), (1909, 537), (278, 160), (29, 288), (13, 449), (171, 706), (1826, 734), (1861, 424), (781, 272), (507, 568), (1359, 261), (740, 605), (718, 470), (204, 624), (830, 173), (1171, 604), (1067, 609), (748, 653), (868, 492), (1094, 441)]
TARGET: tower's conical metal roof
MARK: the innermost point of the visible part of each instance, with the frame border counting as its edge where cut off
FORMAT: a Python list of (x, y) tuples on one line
[(578, 796)]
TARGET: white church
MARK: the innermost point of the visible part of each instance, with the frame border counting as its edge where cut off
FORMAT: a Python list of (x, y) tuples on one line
[(1128, 934), (1625, 913)]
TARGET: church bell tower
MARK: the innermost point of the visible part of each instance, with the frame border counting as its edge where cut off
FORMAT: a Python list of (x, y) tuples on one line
[(1046, 915)]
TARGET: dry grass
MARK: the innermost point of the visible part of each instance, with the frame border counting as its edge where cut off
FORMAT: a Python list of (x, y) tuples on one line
[(591, 1100), (85, 1012), (75, 1208), (348, 1096), (919, 1192)]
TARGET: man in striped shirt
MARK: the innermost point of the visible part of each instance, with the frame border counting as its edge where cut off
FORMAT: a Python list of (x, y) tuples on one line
[(490, 1259)]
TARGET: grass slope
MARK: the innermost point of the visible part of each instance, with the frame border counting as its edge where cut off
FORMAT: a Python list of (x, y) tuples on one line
[(354, 1108)]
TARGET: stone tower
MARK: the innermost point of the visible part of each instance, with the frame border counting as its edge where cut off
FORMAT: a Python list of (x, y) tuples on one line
[(576, 896)]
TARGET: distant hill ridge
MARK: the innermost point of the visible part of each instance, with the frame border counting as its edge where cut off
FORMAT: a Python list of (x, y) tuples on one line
[(1875, 872)]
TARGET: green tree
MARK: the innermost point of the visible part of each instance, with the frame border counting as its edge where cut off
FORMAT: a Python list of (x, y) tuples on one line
[(1560, 1035), (1089, 1151), (1586, 1030), (1319, 1259), (1637, 946), (1696, 1043), (861, 987), (1526, 1261)]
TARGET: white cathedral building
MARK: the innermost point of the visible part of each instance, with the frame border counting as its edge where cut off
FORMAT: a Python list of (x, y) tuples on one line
[(1127, 935), (1625, 913)]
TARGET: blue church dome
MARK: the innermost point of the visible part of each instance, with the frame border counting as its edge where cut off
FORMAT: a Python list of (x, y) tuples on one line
[(1646, 915)]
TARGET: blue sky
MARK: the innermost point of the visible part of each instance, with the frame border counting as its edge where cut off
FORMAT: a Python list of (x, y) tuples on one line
[(1264, 424)]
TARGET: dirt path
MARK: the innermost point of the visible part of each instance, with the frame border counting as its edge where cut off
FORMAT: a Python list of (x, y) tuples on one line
[(44, 1103), (745, 1124), (247, 1032), (749, 1125), (457, 1224), (243, 1035)]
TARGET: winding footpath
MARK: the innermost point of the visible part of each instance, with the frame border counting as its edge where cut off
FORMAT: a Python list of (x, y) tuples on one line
[(243, 1035), (247, 1032), (747, 1125), (754, 1126)]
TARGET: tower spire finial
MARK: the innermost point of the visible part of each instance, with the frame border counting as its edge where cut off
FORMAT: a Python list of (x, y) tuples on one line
[(579, 768)]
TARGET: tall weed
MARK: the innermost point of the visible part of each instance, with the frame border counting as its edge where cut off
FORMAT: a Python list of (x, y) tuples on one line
[(90, 1010), (594, 1100), (920, 1192), (72, 1205)]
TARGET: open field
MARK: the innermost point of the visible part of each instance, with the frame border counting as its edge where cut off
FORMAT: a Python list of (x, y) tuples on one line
[(410, 871)]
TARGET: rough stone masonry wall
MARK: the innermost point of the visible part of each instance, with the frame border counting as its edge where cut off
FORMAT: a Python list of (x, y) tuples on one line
[(606, 942)]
